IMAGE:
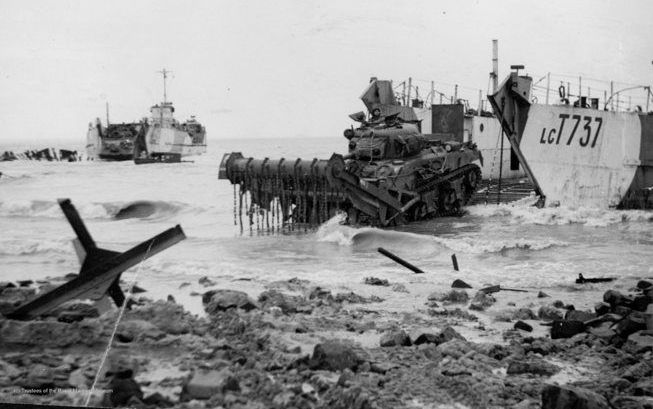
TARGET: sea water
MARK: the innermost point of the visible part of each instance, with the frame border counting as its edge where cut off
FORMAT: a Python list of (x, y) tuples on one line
[(514, 245)]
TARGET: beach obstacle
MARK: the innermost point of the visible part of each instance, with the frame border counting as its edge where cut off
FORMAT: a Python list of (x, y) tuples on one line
[(101, 269)]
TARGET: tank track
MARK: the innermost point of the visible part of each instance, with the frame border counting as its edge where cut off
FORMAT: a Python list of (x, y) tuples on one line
[(440, 183), (430, 183)]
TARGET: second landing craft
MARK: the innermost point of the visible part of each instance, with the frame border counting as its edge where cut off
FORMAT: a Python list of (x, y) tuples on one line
[(160, 138)]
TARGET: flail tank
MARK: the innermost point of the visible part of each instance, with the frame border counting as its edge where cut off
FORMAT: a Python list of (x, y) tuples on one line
[(392, 174)]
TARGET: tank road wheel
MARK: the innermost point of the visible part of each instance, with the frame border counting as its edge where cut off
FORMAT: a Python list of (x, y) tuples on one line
[(418, 212), (470, 184), (449, 203)]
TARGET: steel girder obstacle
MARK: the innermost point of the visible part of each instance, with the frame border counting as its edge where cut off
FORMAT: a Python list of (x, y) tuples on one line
[(100, 271)]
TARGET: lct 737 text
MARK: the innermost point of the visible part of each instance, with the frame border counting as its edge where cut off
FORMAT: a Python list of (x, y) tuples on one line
[(589, 130)]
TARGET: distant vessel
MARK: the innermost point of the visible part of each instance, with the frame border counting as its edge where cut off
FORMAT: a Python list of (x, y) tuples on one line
[(579, 155), (166, 139), (113, 141), (161, 138)]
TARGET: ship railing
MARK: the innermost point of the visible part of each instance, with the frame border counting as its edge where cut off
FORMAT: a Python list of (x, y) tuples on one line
[(550, 88), (554, 89)]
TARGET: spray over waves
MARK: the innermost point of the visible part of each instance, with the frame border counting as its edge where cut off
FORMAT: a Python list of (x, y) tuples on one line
[(526, 213), (370, 238), (108, 210)]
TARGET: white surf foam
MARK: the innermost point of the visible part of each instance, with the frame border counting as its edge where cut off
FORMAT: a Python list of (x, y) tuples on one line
[(13, 247), (369, 237), (525, 213)]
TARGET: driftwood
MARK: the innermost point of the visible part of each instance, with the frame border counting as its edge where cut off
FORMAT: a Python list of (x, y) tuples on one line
[(399, 260)]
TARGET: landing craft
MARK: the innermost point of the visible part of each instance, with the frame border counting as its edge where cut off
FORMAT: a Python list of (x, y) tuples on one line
[(160, 138), (578, 154)]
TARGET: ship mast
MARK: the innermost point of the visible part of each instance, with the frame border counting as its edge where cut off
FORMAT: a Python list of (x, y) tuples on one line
[(165, 77)]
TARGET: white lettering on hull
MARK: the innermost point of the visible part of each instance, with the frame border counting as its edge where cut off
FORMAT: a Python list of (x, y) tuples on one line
[(581, 157)]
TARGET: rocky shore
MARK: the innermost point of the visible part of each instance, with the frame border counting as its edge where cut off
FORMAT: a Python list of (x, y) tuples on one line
[(296, 345)]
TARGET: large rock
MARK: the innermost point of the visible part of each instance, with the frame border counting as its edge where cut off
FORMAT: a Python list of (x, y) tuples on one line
[(6, 284), (453, 296), (454, 348), (568, 397), (205, 383), (319, 293), (335, 356), (524, 314), (12, 297), (603, 330), (353, 298), (481, 301), (167, 316), (395, 338), (542, 346), (640, 303), (446, 335), (549, 313), (535, 366), (640, 341), (129, 330), (273, 298), (123, 390), (376, 281), (578, 315), (458, 283), (602, 308), (614, 298), (222, 300), (427, 338), (523, 326), (635, 321), (641, 284), (566, 329)]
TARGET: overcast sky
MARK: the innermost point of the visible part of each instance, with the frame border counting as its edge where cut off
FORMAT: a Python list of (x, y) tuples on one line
[(288, 68)]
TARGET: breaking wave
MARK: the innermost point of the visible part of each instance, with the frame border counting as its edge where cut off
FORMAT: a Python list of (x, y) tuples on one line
[(475, 245), (525, 213), (109, 210), (370, 237)]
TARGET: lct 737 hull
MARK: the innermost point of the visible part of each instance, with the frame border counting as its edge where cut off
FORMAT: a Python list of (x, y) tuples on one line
[(579, 157)]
